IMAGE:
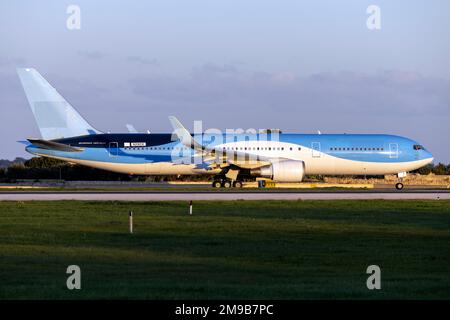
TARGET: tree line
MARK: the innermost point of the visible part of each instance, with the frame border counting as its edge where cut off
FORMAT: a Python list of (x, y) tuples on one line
[(41, 168)]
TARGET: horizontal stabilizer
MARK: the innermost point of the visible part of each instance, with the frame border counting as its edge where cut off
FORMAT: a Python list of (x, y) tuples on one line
[(51, 145), (27, 143)]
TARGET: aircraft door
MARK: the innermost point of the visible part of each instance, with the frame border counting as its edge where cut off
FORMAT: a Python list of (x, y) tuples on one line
[(393, 150), (113, 149), (316, 150)]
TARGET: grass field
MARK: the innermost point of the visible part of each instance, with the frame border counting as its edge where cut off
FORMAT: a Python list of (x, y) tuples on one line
[(236, 249)]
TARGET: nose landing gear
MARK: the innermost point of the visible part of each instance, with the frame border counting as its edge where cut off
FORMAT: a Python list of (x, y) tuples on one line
[(399, 185)]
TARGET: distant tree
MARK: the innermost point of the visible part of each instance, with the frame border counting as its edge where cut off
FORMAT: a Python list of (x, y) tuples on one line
[(6, 163), (426, 169), (16, 171), (46, 168), (44, 162), (440, 169)]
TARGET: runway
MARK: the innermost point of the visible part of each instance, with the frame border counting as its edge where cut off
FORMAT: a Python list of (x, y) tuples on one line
[(224, 196)]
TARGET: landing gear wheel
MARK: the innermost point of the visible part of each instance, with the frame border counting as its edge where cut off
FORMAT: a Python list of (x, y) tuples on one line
[(237, 184), (399, 186), (226, 184), (217, 184)]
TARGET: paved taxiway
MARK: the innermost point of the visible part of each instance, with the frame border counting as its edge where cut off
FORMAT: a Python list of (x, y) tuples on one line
[(192, 195)]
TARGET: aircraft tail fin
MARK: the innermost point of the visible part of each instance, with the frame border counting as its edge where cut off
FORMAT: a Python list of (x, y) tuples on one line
[(55, 117)]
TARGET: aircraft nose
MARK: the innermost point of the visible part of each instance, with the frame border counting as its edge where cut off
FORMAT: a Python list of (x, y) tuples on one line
[(428, 155)]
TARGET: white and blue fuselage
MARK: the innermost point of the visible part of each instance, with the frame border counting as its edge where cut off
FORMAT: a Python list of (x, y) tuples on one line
[(327, 154)]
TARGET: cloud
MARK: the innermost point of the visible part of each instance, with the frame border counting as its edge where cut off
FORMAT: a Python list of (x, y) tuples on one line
[(392, 101), (94, 55), (391, 92), (6, 62), (142, 60), (225, 96)]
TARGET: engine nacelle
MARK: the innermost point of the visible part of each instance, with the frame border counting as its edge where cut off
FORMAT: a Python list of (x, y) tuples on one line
[(282, 171)]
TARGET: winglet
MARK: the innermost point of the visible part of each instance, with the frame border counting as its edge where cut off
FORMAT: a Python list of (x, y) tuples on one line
[(183, 134), (131, 128)]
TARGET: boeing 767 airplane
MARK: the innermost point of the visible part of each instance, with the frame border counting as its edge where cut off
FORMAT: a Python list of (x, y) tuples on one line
[(282, 157)]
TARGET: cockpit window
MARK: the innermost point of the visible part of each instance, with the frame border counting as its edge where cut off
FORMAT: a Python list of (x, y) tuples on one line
[(418, 147)]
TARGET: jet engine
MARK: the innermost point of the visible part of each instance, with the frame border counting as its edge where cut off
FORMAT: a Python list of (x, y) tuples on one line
[(282, 171)]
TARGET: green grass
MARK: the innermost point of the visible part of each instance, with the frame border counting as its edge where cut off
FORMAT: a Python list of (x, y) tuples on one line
[(235, 249)]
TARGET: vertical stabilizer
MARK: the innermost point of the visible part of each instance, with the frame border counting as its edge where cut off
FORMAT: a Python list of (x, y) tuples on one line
[(55, 117)]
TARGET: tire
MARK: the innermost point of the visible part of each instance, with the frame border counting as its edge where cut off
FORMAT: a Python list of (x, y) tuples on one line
[(226, 184), (399, 186), (237, 184), (217, 184)]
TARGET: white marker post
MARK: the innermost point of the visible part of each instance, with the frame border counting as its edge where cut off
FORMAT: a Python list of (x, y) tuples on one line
[(131, 221), (190, 207)]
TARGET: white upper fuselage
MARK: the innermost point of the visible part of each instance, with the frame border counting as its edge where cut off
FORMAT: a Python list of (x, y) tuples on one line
[(336, 154)]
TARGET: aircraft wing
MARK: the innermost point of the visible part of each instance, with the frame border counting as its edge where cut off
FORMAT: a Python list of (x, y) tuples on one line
[(219, 158), (216, 156)]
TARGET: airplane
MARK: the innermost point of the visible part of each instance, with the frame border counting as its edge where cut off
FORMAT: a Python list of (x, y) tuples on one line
[(230, 158)]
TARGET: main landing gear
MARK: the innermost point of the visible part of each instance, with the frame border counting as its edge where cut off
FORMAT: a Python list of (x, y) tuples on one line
[(226, 183), (230, 177)]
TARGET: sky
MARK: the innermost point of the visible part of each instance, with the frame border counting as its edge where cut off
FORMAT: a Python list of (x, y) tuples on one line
[(300, 66)]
